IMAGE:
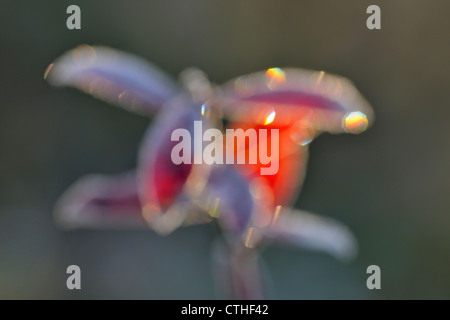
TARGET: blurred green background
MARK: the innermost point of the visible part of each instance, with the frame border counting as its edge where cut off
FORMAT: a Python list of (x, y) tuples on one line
[(390, 185)]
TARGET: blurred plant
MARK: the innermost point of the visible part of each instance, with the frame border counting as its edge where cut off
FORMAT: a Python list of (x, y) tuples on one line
[(250, 209)]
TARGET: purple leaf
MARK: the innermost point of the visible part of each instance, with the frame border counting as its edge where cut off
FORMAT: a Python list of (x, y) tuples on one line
[(99, 201), (114, 76), (162, 183), (227, 197), (303, 229), (321, 101)]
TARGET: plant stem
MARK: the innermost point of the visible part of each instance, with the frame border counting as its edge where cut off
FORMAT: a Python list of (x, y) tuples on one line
[(237, 271)]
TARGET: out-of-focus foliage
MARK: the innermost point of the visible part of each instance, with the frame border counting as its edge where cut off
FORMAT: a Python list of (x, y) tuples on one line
[(395, 175)]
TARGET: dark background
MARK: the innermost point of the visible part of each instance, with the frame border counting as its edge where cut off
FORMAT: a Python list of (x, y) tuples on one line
[(390, 185)]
